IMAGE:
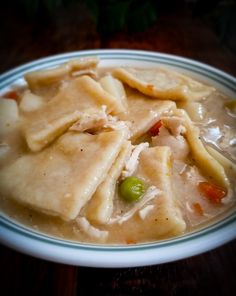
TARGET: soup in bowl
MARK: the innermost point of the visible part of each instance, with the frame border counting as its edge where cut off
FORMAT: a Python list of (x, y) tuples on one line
[(100, 150)]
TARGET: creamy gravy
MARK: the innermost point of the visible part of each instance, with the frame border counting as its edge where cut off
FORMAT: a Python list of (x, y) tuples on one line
[(218, 129)]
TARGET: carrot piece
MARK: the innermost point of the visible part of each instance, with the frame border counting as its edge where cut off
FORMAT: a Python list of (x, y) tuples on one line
[(155, 129), (130, 241), (197, 208), (211, 191), (11, 95)]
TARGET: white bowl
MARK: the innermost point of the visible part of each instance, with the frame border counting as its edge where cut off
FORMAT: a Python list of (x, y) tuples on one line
[(29, 241)]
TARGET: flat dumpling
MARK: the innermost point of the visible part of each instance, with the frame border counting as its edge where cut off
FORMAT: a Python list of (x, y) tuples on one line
[(61, 179), (178, 144), (30, 102), (80, 97), (11, 141), (42, 78), (9, 116), (163, 84), (195, 110), (155, 168), (144, 112), (100, 207), (228, 165), (164, 217), (204, 160), (114, 87)]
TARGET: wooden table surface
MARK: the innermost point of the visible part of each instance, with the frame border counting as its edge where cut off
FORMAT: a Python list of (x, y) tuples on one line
[(175, 32)]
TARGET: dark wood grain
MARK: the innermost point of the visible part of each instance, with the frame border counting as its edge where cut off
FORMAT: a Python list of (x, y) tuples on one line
[(200, 275), (212, 273), (25, 275), (175, 32)]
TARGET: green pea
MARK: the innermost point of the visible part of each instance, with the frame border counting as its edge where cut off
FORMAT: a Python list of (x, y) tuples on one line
[(131, 189)]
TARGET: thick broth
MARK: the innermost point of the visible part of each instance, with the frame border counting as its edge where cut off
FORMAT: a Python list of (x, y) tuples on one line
[(218, 129)]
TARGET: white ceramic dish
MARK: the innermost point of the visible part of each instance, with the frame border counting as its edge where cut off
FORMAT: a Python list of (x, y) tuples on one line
[(47, 247)]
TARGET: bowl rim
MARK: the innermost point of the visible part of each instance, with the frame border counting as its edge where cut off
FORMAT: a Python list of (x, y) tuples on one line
[(32, 242)]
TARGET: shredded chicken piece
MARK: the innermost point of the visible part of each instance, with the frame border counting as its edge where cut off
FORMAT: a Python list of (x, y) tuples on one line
[(100, 120), (228, 198), (150, 194), (175, 124), (192, 175), (179, 166), (91, 230), (114, 123), (144, 212), (132, 163), (178, 145), (91, 121), (4, 149)]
